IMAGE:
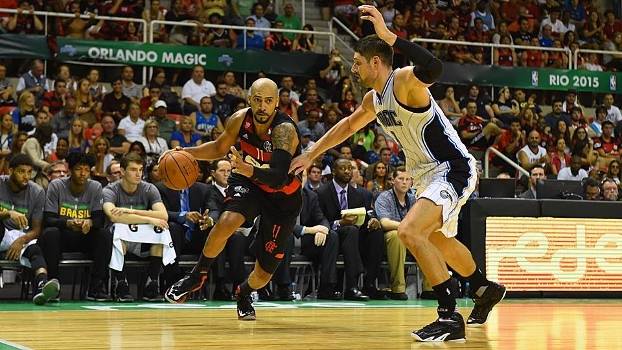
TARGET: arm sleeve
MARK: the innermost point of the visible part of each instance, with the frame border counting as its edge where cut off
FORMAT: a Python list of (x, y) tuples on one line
[(52, 219), (277, 174), (98, 218), (298, 230), (428, 68)]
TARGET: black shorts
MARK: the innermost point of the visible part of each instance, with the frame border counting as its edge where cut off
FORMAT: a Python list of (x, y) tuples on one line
[(278, 213)]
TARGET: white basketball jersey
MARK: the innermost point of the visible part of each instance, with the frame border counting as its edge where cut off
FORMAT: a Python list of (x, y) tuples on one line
[(425, 134)]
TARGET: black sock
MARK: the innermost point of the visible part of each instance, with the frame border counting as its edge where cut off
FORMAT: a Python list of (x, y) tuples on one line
[(245, 289), (118, 275), (478, 283), (41, 279), (154, 267), (203, 264), (446, 294)]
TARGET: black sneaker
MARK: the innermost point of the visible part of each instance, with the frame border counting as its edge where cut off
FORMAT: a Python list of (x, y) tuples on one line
[(152, 292), (180, 290), (451, 329), (246, 311), (122, 292), (46, 291), (493, 294), (97, 292)]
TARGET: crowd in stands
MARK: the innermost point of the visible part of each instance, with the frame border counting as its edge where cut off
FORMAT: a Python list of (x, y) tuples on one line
[(567, 24)]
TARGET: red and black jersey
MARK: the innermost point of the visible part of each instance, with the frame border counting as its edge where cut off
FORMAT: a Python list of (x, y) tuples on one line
[(259, 148)]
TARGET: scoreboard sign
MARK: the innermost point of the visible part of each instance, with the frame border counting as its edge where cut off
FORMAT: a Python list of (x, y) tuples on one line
[(554, 254)]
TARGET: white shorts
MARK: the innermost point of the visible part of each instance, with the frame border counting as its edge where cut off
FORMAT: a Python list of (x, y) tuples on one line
[(449, 185)]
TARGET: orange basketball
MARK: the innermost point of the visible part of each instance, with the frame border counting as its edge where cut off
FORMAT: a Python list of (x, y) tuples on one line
[(178, 170)]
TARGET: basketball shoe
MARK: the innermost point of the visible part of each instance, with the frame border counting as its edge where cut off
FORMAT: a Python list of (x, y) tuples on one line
[(46, 291), (180, 290), (449, 329), (246, 311), (493, 294)]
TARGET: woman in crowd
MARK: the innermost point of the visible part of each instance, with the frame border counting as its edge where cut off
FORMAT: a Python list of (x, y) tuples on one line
[(613, 172), (151, 140), (450, 106), (348, 104), (24, 114), (77, 141), (505, 108), (380, 181), (559, 157), (86, 107), (304, 42), (97, 89), (560, 132), (185, 136), (232, 86), (584, 146), (7, 132), (103, 157)]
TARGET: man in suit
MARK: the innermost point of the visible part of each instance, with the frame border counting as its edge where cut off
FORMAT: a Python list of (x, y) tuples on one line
[(535, 174), (335, 196), (237, 244), (187, 220), (319, 243)]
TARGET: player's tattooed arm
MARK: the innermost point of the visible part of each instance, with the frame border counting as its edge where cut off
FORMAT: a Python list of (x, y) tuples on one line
[(285, 137)]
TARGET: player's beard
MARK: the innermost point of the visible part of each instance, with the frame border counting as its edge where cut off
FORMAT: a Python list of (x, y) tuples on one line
[(260, 121)]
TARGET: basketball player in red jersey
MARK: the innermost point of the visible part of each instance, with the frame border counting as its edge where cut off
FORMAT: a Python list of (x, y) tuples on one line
[(260, 185)]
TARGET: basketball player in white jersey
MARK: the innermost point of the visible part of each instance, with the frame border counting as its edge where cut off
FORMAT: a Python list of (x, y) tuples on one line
[(444, 172)]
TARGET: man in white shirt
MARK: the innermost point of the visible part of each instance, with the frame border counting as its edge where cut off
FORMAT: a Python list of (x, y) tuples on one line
[(533, 154), (574, 171), (132, 126), (130, 88), (195, 88), (553, 20), (613, 112)]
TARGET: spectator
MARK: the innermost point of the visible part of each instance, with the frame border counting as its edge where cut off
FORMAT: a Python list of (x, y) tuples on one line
[(305, 141), (509, 142), (151, 140), (219, 37), (101, 153), (560, 157), (557, 59), (61, 151), (332, 74), (166, 125), (567, 22), (483, 103), (505, 56), (591, 190), (133, 201), (583, 145), (24, 21), (130, 88), (552, 20), (610, 190), (596, 127), (505, 108), (222, 102), (7, 91), (478, 33), (205, 119), (259, 19), (593, 31), (77, 141), (116, 103), (483, 12), (21, 224), (557, 114), (185, 136), (314, 178), (312, 123), (475, 132), (524, 35), (18, 143), (574, 171), (24, 114), (571, 102), (7, 133), (613, 112), (290, 20), (311, 103), (287, 82), (113, 172), (54, 101), (251, 40), (277, 41), (592, 63), (132, 126), (33, 81), (380, 180), (348, 103), (77, 27), (339, 192), (304, 42), (385, 158), (607, 146), (233, 88), (546, 37), (44, 118), (287, 105), (195, 88), (613, 172), (450, 106), (74, 219), (612, 25), (391, 207), (56, 170), (86, 107), (533, 155), (33, 147), (535, 175), (147, 103), (332, 117), (118, 143), (534, 58)]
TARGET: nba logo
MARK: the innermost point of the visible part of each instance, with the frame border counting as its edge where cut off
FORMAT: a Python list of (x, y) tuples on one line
[(612, 82), (534, 78)]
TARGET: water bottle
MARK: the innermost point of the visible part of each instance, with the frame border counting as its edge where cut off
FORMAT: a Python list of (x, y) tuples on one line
[(297, 295)]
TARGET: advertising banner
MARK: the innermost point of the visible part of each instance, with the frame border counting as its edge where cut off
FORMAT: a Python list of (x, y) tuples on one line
[(554, 254)]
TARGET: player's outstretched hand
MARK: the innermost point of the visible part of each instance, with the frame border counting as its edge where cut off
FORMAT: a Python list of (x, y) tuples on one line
[(238, 164), (300, 163), (371, 13)]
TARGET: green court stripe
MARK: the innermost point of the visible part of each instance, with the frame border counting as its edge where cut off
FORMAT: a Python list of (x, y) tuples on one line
[(5, 344)]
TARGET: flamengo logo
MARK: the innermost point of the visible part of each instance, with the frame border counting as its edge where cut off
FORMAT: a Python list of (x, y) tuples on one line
[(554, 254)]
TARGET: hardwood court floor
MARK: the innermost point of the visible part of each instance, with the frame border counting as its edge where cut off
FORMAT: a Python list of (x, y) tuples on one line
[(515, 324)]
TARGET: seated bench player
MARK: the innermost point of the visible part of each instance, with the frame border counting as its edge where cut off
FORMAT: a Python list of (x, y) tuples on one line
[(21, 214), (137, 218)]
